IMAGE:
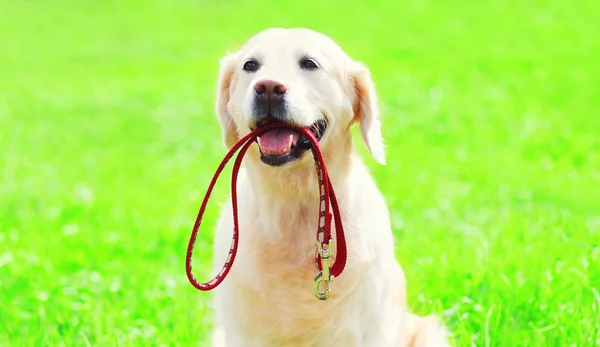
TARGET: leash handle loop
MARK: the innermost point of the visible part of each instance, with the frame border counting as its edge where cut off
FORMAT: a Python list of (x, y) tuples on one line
[(327, 199)]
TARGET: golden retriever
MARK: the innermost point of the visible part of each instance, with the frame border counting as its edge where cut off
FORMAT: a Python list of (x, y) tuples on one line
[(302, 77)]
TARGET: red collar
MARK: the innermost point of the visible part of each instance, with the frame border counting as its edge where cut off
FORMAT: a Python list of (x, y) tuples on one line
[(325, 249)]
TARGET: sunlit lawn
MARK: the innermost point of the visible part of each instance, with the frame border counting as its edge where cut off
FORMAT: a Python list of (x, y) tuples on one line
[(108, 139)]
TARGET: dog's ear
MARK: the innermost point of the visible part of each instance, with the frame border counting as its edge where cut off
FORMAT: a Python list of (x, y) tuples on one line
[(366, 110), (224, 91)]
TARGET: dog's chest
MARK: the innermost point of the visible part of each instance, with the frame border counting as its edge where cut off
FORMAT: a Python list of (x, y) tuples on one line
[(269, 295), (283, 311), (268, 298)]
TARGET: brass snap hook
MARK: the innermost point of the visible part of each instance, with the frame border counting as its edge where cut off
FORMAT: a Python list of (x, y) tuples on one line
[(324, 276), (322, 294)]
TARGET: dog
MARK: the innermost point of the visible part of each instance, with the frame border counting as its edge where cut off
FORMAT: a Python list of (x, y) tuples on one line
[(303, 78)]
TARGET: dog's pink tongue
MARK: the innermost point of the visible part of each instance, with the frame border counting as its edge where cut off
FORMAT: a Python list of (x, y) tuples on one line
[(278, 141)]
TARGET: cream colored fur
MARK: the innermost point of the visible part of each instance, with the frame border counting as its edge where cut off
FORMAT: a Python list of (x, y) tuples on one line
[(267, 298)]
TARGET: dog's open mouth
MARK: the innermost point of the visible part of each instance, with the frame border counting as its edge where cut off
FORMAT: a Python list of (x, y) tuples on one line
[(283, 145)]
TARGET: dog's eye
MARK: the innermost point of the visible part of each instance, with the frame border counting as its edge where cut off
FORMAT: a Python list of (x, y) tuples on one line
[(308, 64), (251, 66)]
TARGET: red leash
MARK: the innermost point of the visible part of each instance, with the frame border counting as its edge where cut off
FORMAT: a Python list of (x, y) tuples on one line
[(325, 245)]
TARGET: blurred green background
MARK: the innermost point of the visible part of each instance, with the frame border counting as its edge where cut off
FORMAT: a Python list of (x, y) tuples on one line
[(108, 139)]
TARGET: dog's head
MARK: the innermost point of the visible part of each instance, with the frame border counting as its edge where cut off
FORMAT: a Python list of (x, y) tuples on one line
[(299, 77)]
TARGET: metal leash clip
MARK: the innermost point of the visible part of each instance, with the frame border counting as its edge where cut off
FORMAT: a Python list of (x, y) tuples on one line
[(324, 276)]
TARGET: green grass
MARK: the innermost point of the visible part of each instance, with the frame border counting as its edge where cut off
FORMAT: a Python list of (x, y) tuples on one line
[(108, 139)]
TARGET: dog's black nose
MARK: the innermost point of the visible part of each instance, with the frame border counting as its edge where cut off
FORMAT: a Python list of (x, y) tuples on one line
[(269, 90), (269, 99)]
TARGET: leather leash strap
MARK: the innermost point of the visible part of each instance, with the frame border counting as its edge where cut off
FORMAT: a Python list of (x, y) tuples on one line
[(325, 244)]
